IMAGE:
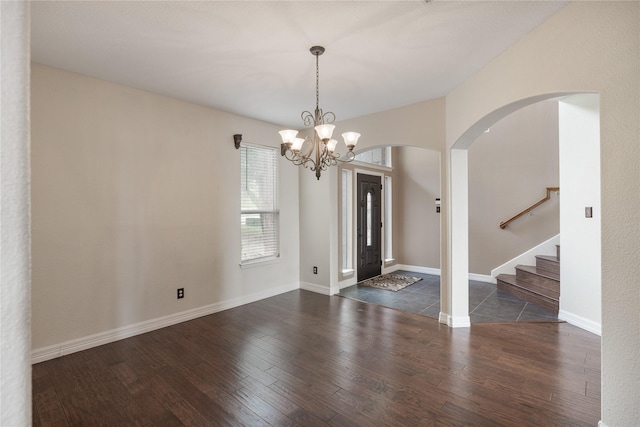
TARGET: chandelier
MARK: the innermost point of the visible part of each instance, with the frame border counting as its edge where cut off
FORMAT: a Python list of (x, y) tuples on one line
[(318, 153)]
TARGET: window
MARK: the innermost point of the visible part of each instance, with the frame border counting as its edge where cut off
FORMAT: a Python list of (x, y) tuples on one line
[(347, 221), (388, 209), (377, 156), (259, 217)]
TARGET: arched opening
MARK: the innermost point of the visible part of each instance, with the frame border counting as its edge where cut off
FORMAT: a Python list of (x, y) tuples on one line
[(410, 232), (579, 175)]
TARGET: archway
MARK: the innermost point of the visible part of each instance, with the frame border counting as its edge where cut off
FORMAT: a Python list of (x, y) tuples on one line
[(579, 122), (410, 227)]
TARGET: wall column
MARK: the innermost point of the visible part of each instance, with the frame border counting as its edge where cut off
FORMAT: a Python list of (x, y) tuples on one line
[(457, 314), (15, 287)]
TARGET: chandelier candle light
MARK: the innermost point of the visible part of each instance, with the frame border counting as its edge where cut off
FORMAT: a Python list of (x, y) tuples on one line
[(321, 144)]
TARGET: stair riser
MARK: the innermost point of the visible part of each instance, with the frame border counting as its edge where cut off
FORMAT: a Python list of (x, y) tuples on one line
[(539, 284), (547, 265), (548, 303)]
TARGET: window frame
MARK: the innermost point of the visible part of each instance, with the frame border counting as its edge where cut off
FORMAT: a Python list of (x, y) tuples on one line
[(274, 254), (347, 266), (388, 219)]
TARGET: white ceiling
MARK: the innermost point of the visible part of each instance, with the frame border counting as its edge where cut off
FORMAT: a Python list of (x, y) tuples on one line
[(252, 57)]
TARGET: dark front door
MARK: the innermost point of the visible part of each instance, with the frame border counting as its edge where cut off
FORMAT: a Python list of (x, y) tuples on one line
[(369, 226)]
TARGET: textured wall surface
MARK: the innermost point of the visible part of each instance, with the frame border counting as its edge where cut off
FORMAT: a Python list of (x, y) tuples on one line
[(15, 328)]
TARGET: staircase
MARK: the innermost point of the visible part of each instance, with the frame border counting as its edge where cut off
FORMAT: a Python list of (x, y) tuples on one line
[(539, 284)]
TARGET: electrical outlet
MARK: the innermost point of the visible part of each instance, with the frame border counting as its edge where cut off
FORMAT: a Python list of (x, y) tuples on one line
[(315, 270), (180, 293)]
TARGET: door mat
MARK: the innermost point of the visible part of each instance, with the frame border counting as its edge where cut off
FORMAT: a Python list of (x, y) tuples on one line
[(390, 282)]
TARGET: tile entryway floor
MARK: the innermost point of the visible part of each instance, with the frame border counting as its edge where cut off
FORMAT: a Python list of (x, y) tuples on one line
[(486, 302)]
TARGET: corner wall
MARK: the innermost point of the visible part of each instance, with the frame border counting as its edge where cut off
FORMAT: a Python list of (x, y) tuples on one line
[(580, 240)]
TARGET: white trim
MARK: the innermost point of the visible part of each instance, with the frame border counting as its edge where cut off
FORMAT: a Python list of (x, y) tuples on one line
[(459, 321), (581, 322), (319, 289), (482, 278), (347, 282), (547, 247), (358, 163), (346, 220), (454, 322), (601, 424), (414, 269), (51, 352), (387, 218), (260, 262), (443, 318)]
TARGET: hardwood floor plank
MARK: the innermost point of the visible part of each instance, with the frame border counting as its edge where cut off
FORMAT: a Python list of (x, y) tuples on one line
[(263, 409), (305, 359)]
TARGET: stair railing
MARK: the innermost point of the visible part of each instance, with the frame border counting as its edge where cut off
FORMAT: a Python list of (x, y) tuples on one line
[(503, 224)]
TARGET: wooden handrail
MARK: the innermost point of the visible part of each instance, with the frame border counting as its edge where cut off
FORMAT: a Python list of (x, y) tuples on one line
[(503, 224)]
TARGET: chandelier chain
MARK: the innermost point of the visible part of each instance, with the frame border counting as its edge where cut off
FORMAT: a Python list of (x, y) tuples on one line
[(317, 83)]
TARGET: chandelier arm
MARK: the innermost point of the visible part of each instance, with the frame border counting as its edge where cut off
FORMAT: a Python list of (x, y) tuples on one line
[(308, 118), (349, 157), (290, 155), (328, 117), (310, 146)]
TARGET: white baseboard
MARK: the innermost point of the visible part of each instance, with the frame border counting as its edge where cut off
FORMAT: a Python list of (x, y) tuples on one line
[(443, 318), (415, 269), (51, 352), (436, 272), (459, 321), (601, 424), (455, 322), (319, 289), (581, 322), (482, 278), (347, 282)]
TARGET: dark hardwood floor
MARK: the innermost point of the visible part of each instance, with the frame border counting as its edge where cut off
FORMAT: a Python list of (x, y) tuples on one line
[(306, 359)]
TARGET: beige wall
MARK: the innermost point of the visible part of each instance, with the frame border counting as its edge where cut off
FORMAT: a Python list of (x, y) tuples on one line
[(509, 169), (416, 185), (135, 195), (585, 47)]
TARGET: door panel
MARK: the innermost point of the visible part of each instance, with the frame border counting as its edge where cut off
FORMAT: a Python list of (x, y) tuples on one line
[(369, 226)]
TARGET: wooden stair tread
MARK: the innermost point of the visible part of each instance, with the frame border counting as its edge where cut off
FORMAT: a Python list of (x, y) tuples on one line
[(512, 280), (508, 283), (539, 272), (550, 258)]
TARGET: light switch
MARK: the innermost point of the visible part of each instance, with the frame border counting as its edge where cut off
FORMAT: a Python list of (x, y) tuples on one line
[(588, 212)]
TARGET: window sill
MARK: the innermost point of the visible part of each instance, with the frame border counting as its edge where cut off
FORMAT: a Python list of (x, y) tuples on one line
[(260, 262), (348, 272), (389, 261)]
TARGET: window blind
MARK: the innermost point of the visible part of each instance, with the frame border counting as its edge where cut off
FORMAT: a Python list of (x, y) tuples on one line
[(259, 217)]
